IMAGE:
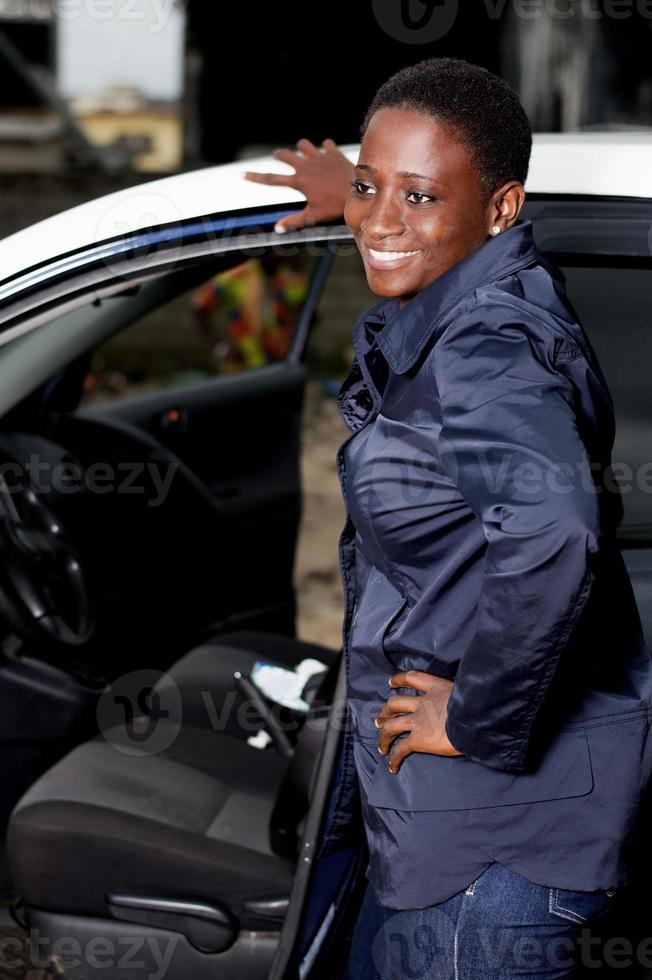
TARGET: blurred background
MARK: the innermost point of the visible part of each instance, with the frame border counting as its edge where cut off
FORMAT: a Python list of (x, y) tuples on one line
[(96, 95)]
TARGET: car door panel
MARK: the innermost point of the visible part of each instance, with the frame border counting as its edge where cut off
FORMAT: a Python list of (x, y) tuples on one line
[(240, 436)]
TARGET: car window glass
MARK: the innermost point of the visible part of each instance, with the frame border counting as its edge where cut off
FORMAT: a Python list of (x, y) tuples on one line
[(615, 308), (241, 318)]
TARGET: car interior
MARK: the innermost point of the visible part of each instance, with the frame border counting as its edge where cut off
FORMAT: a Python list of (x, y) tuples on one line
[(155, 793)]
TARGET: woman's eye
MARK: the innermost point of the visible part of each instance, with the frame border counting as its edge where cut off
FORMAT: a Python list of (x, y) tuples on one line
[(366, 190), (360, 187), (424, 197)]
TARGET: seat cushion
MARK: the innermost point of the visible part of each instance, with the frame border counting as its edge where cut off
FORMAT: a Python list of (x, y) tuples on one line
[(190, 822), (205, 676)]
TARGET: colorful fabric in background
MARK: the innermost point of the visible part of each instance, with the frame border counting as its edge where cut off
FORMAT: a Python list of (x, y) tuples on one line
[(262, 299)]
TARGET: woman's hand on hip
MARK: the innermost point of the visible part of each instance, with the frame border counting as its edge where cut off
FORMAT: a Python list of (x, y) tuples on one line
[(420, 719), (322, 175)]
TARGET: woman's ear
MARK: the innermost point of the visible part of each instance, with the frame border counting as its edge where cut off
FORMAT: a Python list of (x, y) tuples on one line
[(505, 206)]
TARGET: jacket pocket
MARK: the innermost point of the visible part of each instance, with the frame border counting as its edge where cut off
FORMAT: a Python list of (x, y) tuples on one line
[(434, 782)]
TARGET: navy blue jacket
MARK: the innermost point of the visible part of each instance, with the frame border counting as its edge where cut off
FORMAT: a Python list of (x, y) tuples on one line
[(480, 545)]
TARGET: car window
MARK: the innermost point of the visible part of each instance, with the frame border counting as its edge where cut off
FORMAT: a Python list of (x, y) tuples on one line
[(615, 308), (241, 318)]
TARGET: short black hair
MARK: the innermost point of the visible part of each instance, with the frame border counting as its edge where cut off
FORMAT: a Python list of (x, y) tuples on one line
[(481, 109)]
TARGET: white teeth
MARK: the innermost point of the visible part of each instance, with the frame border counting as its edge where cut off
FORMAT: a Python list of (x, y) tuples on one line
[(390, 256)]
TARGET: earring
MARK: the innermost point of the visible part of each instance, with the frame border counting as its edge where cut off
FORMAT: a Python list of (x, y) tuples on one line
[(496, 229)]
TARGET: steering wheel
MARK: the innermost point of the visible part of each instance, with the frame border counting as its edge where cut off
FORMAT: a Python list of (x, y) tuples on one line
[(43, 591)]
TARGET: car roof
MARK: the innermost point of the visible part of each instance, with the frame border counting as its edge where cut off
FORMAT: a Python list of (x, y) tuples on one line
[(613, 164)]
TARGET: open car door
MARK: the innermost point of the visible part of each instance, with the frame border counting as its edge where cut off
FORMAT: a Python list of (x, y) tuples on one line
[(216, 446)]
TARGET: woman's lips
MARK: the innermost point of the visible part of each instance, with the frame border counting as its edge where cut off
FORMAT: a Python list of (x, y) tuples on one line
[(388, 259)]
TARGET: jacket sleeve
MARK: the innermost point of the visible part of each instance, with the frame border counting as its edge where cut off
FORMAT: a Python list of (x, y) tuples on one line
[(510, 443)]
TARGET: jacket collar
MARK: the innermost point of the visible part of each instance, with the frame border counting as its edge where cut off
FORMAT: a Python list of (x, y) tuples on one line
[(401, 334)]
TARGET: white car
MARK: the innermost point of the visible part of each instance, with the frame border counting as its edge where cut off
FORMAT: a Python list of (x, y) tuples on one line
[(148, 523)]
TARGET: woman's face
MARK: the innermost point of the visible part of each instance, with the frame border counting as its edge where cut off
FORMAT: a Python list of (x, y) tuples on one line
[(416, 207)]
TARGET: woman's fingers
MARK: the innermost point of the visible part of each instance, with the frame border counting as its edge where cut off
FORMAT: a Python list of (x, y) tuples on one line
[(417, 679), (307, 147), (287, 156), (420, 680), (392, 728), (294, 222), (397, 704), (276, 180), (401, 749)]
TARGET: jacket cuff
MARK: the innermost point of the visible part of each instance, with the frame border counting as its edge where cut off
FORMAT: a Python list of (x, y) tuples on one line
[(465, 740)]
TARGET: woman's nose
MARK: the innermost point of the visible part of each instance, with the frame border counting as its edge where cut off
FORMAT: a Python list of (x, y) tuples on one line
[(384, 218)]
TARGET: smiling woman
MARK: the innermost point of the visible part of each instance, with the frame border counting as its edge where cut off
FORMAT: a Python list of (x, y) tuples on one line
[(481, 572)]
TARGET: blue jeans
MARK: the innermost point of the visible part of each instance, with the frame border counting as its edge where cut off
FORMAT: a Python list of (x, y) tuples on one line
[(501, 926)]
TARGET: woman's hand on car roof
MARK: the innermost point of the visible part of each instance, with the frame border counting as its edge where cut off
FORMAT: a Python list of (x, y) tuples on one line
[(322, 175)]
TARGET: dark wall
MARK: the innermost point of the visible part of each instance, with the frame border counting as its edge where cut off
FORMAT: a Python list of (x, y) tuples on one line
[(274, 72)]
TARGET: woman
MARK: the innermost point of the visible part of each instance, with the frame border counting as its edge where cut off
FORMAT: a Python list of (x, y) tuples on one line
[(500, 780)]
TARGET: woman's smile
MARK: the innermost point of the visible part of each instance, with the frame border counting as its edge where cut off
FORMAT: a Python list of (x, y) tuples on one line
[(386, 258)]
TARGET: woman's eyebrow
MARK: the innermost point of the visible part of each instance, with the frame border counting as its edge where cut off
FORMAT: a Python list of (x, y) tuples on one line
[(408, 174)]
